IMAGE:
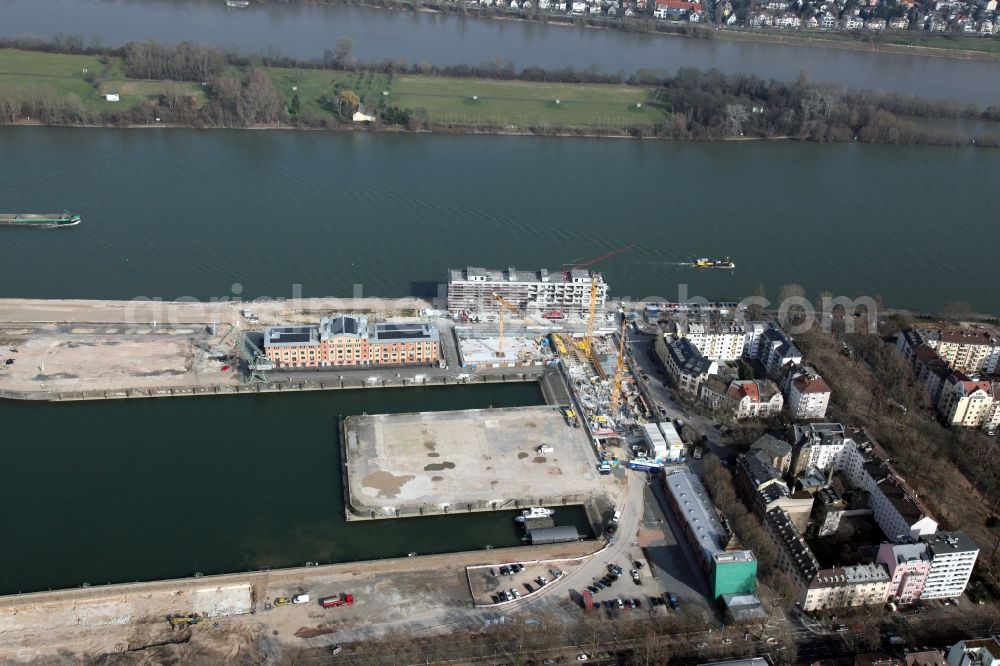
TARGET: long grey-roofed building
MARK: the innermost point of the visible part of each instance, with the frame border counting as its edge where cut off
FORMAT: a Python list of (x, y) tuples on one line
[(730, 570), (471, 290), (553, 535)]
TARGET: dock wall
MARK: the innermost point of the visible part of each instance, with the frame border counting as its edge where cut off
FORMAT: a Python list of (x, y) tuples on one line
[(552, 394)]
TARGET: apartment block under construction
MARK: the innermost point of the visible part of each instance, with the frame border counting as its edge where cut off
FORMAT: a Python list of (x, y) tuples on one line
[(554, 294)]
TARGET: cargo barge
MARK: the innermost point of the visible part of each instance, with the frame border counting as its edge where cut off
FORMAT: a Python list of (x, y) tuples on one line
[(39, 220), (714, 263)]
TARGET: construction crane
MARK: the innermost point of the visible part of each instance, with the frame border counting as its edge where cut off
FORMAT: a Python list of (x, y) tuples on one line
[(588, 341), (507, 306), (616, 386)]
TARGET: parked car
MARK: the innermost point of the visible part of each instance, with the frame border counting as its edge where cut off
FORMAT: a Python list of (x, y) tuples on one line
[(635, 576), (493, 571)]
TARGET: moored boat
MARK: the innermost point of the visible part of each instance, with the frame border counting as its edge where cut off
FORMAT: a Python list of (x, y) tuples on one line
[(40, 220), (534, 512)]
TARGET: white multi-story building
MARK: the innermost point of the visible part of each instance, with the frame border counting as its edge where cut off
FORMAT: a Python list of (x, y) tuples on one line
[(770, 345), (807, 393), (471, 290), (843, 587), (718, 340), (820, 445), (685, 364), (896, 509), (975, 652), (965, 402), (953, 556), (970, 350)]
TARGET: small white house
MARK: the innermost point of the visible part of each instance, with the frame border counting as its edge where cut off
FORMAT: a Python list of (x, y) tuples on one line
[(361, 117), (111, 97)]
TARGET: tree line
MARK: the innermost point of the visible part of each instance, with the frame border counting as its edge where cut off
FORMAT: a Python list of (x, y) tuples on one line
[(698, 104)]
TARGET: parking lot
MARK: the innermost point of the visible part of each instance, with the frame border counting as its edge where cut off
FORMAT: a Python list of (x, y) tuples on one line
[(495, 584)]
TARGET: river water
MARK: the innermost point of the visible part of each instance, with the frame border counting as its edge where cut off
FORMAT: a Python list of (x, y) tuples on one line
[(140, 490), (189, 213), (305, 30)]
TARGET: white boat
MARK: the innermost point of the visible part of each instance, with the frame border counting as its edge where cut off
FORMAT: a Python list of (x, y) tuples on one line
[(534, 512)]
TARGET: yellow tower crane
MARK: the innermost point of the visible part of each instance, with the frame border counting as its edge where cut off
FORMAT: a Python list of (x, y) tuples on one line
[(616, 386), (588, 341), (505, 305)]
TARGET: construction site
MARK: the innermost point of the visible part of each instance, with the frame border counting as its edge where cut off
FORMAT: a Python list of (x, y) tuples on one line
[(410, 465)]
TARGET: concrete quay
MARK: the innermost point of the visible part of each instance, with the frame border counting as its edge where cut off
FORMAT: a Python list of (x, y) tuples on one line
[(436, 463), (67, 350)]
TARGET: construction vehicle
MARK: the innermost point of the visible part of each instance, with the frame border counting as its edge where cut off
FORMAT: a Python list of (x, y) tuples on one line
[(342, 599), (282, 601), (616, 385), (180, 621), (570, 415), (558, 343)]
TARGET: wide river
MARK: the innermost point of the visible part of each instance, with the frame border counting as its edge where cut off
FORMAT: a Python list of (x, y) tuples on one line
[(305, 30), (172, 213)]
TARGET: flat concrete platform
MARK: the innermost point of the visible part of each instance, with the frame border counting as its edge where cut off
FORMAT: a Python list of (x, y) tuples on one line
[(429, 463)]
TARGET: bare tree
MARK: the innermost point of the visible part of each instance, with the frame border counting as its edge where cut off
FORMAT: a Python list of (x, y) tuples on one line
[(736, 115)]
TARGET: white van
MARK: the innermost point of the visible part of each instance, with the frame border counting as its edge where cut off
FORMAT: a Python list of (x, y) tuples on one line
[(300, 599)]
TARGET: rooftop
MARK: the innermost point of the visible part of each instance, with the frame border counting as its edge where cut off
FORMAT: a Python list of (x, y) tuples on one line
[(697, 511), (855, 575), (792, 543), (511, 274), (284, 336), (418, 332), (772, 446), (947, 543), (687, 357)]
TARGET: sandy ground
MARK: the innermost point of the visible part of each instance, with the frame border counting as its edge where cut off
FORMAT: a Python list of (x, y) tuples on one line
[(488, 457), (421, 594), (59, 346)]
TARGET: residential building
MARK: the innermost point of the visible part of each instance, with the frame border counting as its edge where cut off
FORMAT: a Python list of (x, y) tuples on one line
[(896, 509), (968, 349), (828, 21), (808, 395), (564, 292), (844, 587), (772, 347), (667, 9), (828, 509), (965, 402), (819, 445), (685, 364), (742, 399), (729, 569), (793, 554), (761, 484), (953, 556), (930, 370), (345, 341), (925, 658), (717, 339), (908, 565), (975, 652), (777, 452)]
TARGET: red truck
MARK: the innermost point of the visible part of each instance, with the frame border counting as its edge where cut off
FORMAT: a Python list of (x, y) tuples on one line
[(341, 599)]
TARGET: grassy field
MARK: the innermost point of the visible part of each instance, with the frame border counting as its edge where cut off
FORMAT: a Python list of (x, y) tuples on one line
[(524, 103), (518, 104), (67, 74), (312, 83)]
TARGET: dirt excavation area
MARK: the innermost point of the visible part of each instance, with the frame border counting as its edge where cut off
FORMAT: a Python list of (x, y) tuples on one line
[(75, 346), (244, 618)]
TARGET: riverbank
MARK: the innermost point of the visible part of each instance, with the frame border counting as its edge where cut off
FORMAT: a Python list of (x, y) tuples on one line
[(95, 90), (971, 47)]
